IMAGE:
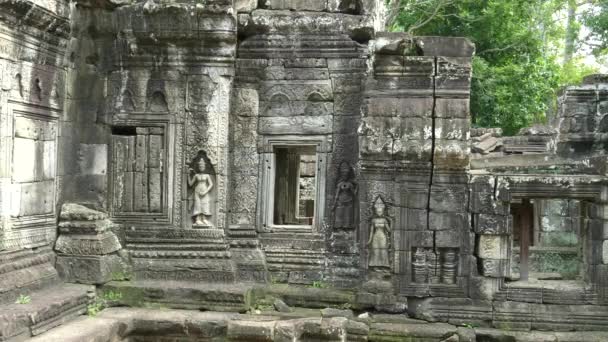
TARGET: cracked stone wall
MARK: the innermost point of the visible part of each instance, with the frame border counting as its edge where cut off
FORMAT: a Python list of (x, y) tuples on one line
[(413, 155)]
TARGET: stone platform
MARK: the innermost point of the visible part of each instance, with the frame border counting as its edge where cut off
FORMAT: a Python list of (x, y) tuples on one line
[(127, 324), (243, 297)]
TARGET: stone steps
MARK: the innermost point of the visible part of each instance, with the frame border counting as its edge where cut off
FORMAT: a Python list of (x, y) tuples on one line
[(47, 308), (25, 271)]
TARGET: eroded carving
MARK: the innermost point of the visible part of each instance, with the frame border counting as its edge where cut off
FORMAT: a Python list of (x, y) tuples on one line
[(158, 103), (379, 237), (345, 198)]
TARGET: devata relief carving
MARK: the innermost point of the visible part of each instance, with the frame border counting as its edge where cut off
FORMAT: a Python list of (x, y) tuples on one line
[(200, 181), (345, 198), (379, 236)]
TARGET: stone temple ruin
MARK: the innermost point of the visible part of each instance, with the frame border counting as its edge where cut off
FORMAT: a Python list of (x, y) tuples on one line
[(221, 170)]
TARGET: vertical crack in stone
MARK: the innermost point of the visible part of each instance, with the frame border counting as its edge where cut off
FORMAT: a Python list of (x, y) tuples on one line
[(432, 170)]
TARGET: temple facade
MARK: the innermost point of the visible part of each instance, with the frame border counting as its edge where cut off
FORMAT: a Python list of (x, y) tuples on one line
[(269, 146)]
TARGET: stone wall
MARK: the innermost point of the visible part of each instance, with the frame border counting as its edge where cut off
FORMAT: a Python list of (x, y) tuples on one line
[(32, 94)]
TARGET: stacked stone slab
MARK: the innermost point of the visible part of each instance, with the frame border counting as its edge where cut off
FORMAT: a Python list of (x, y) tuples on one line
[(88, 251), (492, 223), (582, 122), (180, 254)]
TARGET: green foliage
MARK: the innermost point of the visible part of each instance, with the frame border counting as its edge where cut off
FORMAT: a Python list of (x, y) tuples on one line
[(112, 296), (511, 95), (516, 70), (595, 17), (318, 285), (103, 302), (573, 72), (264, 307), (23, 299), (94, 308), (120, 275), (469, 325), (567, 265)]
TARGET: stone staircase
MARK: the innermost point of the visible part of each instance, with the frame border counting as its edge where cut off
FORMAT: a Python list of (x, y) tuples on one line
[(32, 297)]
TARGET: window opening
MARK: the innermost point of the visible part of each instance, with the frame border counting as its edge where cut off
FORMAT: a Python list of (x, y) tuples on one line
[(295, 185), (547, 239)]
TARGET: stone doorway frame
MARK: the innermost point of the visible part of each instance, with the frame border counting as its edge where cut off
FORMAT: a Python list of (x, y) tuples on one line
[(592, 190)]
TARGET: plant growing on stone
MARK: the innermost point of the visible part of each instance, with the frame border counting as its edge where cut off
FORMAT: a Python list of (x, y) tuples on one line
[(469, 325), (103, 302), (318, 285), (23, 299)]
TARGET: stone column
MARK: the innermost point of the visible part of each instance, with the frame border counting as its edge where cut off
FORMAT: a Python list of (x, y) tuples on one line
[(493, 226), (597, 239)]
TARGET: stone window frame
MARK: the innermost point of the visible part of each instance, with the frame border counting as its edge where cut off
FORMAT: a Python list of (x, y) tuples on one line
[(588, 190), (166, 217), (265, 212)]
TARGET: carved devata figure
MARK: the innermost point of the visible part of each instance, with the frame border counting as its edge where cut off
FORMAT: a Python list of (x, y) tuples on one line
[(379, 236), (200, 180), (345, 199)]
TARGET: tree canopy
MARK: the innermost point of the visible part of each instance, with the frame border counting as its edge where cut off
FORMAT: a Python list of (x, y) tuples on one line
[(525, 49)]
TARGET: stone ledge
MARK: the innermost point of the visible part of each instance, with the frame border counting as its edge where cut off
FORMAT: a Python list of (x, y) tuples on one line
[(116, 324)]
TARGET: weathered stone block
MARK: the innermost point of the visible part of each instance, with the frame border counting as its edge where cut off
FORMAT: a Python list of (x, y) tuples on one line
[(77, 212), (449, 238), (305, 277), (251, 331), (452, 108), (24, 168), (93, 159), (35, 198), (512, 315), (448, 199), (101, 244), (452, 129), (485, 203), (296, 125), (453, 154), (448, 221), (91, 269), (492, 224), (245, 5), (495, 268), (411, 239), (492, 247), (445, 46), (416, 219), (297, 5)]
